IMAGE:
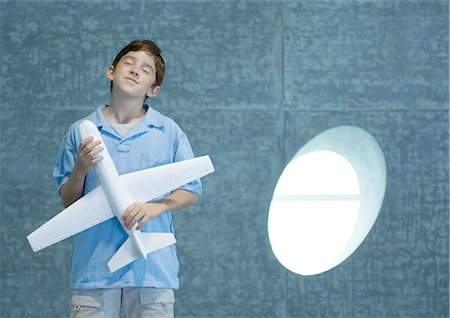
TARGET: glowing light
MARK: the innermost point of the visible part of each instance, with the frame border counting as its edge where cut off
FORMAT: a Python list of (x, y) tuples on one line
[(319, 213)]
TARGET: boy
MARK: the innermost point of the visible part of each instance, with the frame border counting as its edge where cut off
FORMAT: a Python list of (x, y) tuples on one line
[(138, 137)]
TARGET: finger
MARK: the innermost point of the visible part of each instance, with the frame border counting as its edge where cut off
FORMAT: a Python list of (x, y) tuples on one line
[(89, 143), (94, 152), (97, 159), (143, 221), (129, 214), (126, 212), (136, 218), (85, 141), (94, 144), (91, 146)]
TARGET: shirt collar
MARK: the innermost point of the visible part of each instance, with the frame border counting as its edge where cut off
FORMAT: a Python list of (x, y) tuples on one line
[(152, 118)]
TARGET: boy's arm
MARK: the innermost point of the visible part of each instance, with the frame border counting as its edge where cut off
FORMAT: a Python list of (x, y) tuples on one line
[(177, 200), (87, 152)]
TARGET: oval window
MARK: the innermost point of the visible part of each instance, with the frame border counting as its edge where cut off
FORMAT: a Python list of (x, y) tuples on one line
[(327, 200)]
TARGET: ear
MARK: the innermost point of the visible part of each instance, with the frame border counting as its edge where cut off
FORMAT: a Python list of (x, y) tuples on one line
[(110, 72), (153, 91)]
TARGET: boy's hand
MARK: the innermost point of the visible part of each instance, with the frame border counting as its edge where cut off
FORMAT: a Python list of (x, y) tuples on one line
[(87, 154), (143, 212)]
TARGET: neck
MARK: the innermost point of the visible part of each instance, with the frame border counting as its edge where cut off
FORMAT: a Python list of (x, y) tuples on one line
[(124, 110)]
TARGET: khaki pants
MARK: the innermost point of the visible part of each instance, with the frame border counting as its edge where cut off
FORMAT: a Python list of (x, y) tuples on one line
[(136, 302)]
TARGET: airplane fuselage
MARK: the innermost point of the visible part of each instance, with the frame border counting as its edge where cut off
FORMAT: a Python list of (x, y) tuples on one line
[(118, 196)]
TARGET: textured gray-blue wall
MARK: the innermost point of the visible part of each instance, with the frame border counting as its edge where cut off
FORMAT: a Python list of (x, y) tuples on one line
[(250, 81)]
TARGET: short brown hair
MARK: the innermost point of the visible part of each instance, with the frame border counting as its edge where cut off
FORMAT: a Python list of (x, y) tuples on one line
[(150, 48)]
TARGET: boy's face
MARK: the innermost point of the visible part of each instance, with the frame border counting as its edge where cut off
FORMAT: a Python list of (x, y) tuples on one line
[(134, 75)]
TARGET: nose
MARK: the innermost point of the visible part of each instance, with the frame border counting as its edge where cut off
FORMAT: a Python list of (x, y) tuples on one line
[(133, 72)]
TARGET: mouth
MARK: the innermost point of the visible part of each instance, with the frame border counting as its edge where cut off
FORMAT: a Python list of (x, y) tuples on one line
[(131, 79)]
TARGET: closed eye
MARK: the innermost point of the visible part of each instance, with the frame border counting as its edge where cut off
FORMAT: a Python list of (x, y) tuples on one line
[(148, 70), (128, 60)]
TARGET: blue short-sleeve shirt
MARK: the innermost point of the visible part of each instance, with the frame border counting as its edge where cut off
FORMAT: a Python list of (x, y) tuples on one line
[(154, 141)]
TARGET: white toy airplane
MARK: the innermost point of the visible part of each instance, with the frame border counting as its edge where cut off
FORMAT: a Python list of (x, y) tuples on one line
[(113, 196)]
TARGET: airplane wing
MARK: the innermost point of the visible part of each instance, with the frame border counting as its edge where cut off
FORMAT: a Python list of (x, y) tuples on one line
[(128, 252), (146, 185), (93, 208), (90, 210)]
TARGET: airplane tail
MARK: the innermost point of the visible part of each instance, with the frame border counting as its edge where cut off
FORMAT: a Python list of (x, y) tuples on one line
[(128, 252)]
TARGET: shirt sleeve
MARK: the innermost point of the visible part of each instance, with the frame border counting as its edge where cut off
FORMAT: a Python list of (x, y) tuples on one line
[(183, 151), (65, 162)]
